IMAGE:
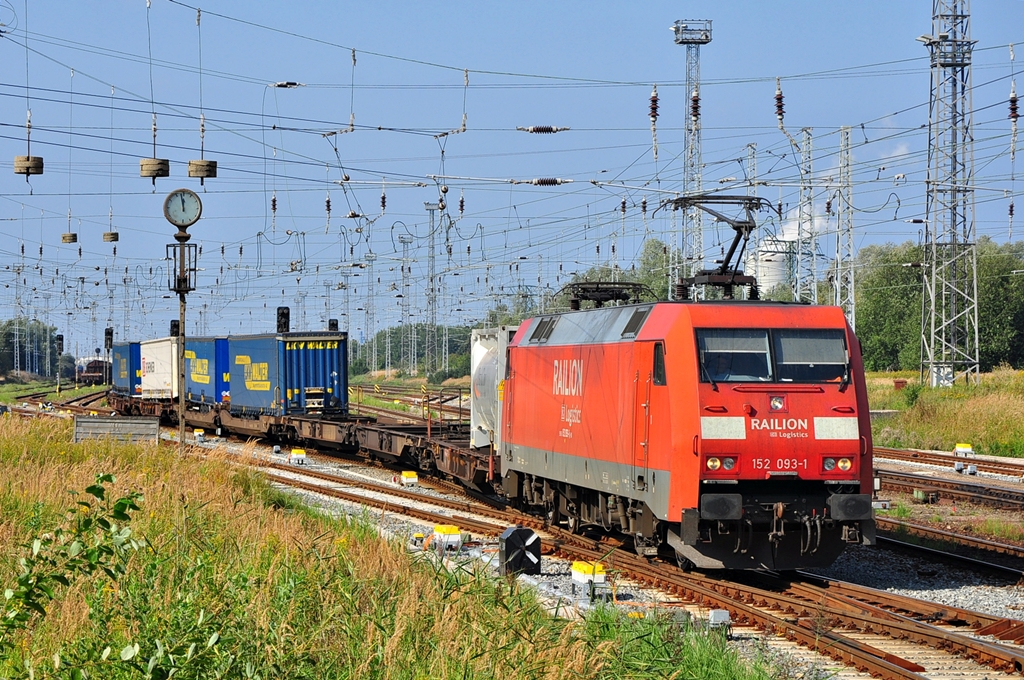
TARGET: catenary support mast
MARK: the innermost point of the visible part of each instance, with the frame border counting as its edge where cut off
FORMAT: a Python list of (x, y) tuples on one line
[(950, 307), (693, 33)]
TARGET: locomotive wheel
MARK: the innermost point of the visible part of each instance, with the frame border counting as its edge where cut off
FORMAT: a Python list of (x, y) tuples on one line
[(573, 524)]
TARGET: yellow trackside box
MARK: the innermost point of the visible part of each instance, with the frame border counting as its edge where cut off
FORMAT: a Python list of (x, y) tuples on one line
[(963, 450), (298, 457), (584, 572), (409, 478), (447, 537)]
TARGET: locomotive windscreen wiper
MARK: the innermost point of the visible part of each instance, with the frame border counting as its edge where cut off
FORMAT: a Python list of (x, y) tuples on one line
[(704, 371)]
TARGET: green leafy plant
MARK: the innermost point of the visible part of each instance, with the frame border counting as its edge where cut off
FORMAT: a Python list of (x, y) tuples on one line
[(95, 537)]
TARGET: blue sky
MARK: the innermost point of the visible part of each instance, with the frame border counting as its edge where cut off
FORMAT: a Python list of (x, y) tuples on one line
[(587, 66)]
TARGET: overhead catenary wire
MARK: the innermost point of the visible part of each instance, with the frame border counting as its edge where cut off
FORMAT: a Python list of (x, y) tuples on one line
[(639, 169)]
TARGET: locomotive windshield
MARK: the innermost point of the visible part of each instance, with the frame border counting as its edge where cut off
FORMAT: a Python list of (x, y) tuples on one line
[(734, 355), (810, 355), (778, 355)]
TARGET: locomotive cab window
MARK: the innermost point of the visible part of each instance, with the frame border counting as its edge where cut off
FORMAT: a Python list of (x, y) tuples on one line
[(659, 364), (734, 355), (808, 356)]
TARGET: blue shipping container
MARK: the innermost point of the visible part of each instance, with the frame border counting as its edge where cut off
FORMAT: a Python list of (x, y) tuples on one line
[(289, 374), (207, 374), (127, 368)]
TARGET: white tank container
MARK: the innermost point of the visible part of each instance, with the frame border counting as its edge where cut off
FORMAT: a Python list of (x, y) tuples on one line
[(159, 367), (487, 367)]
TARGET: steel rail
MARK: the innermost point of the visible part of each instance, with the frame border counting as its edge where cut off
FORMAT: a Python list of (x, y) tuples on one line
[(923, 531), (992, 496), (942, 459), (745, 605)]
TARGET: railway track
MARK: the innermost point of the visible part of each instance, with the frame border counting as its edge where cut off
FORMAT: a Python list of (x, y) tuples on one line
[(448, 402), (945, 547), (941, 536), (1010, 467), (83, 404), (873, 631), (879, 639), (970, 492)]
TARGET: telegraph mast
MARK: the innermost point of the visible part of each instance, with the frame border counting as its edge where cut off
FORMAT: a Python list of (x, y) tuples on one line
[(949, 328), (693, 33)]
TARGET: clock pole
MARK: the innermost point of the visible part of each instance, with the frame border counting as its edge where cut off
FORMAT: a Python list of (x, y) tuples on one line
[(181, 280)]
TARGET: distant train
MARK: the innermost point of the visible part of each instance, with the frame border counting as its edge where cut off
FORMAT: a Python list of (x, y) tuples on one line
[(734, 434), (94, 372)]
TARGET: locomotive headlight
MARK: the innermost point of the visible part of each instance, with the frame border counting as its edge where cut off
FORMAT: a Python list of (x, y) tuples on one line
[(830, 464), (728, 463), (845, 464), (714, 463)]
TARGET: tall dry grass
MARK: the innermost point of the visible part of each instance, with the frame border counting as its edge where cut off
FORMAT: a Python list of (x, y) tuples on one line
[(230, 585), (989, 416)]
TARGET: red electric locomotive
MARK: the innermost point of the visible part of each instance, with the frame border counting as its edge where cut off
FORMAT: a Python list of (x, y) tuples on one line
[(736, 432)]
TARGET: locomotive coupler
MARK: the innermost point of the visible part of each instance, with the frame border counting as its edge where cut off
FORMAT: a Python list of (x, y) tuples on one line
[(778, 524)]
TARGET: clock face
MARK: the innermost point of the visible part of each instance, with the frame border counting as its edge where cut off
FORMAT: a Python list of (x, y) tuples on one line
[(182, 207)]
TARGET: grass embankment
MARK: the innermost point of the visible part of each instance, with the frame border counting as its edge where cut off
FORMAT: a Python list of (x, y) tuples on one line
[(8, 392), (235, 580), (989, 416)]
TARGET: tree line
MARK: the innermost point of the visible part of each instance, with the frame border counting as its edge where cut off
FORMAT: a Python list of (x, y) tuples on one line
[(888, 295), (31, 346)]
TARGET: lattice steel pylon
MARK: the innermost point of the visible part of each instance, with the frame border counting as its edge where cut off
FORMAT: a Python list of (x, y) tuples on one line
[(845, 249), (693, 33), (949, 328), (371, 321), (408, 347), (430, 360), (805, 287)]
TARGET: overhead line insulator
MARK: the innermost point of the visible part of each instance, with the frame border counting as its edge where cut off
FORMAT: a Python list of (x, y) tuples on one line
[(542, 129), (542, 181), (780, 112)]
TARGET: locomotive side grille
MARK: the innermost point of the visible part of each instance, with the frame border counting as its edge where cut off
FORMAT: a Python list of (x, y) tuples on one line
[(635, 322), (543, 330)]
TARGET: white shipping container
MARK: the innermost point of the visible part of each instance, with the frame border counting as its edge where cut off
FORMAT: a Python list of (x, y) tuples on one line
[(159, 365)]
